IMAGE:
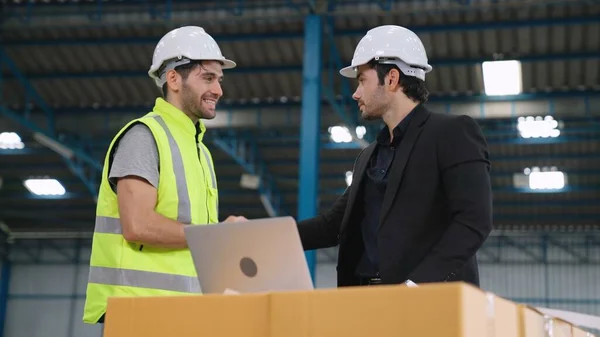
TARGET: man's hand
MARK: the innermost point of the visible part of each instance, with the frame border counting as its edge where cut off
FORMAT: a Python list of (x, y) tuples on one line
[(233, 218)]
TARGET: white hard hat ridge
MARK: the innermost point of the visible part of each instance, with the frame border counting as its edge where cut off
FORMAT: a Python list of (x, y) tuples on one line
[(391, 44), (181, 45)]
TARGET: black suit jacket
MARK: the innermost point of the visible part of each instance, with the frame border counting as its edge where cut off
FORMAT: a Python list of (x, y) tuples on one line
[(436, 213)]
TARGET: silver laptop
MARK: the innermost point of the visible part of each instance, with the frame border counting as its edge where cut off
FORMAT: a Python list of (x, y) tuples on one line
[(248, 257)]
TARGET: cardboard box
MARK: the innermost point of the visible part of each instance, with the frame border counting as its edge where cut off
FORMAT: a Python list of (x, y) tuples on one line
[(449, 310), (579, 321), (534, 323), (578, 332)]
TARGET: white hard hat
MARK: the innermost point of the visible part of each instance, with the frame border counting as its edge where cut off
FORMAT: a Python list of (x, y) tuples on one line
[(391, 45), (180, 46)]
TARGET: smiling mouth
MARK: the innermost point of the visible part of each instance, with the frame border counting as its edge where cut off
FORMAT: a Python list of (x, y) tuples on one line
[(210, 102)]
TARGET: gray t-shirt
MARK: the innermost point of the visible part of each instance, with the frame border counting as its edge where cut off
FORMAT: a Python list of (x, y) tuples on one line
[(136, 154)]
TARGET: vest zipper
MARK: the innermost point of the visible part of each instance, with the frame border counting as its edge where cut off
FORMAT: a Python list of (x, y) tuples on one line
[(198, 150)]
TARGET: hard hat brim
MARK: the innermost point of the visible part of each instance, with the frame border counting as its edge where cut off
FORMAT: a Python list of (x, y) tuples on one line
[(349, 72), (228, 64)]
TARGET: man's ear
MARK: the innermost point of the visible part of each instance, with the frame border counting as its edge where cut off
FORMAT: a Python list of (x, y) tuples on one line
[(393, 80), (173, 80)]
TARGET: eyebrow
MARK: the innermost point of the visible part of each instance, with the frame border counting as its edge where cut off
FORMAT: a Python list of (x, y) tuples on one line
[(210, 73)]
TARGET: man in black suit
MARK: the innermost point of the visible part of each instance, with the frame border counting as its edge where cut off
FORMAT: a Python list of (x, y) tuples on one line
[(420, 204)]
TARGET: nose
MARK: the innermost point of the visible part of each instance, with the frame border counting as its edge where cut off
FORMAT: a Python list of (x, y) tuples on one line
[(216, 89), (357, 94)]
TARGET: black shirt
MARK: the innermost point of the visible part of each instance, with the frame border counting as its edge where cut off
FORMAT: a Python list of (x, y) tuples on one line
[(373, 189)]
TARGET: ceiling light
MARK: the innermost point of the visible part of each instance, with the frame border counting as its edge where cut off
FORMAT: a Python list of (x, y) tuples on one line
[(340, 134), (10, 141), (349, 178), (502, 77), (44, 186), (538, 127)]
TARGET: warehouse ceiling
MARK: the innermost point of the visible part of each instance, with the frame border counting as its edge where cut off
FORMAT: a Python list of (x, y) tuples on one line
[(76, 72)]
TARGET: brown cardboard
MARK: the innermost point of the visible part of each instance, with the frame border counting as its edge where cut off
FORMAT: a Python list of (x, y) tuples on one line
[(584, 321), (449, 310), (208, 315), (431, 310), (506, 317), (534, 323), (578, 332), (562, 328)]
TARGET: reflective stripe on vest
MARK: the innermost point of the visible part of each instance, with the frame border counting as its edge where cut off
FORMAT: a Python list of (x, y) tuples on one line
[(147, 279), (144, 279), (184, 212)]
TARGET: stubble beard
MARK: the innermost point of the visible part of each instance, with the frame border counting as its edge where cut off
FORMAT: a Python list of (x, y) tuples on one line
[(192, 104), (377, 108)]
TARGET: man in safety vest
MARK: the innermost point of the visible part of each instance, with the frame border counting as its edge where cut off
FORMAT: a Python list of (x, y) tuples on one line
[(158, 176)]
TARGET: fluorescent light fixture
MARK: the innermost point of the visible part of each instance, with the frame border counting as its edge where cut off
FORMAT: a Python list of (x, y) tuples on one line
[(349, 178), (10, 141), (340, 134), (546, 178), (250, 181), (538, 127), (361, 131), (502, 77), (44, 186)]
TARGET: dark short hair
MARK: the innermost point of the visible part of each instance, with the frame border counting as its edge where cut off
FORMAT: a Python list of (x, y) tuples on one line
[(184, 70), (412, 87)]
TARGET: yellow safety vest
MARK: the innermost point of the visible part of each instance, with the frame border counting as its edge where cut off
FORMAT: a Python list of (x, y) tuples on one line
[(187, 192)]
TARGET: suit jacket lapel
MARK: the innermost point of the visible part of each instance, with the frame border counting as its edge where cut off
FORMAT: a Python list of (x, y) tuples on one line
[(402, 154), (357, 177)]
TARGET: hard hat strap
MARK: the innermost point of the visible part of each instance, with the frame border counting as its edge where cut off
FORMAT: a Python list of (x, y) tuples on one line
[(169, 65)]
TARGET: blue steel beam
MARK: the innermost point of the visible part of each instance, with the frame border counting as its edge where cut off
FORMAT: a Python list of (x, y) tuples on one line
[(4, 289), (335, 64), (245, 152), (441, 99), (5, 275), (348, 115), (499, 217), (515, 140), (497, 130), (235, 205), (144, 73), (334, 192), (96, 10), (308, 190), (532, 158), (450, 27), (15, 185), (80, 163), (501, 131)]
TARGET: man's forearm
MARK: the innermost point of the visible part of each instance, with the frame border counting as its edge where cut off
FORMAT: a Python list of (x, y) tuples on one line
[(157, 231)]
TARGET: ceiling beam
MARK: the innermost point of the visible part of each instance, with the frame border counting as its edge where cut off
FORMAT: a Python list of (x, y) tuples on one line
[(142, 73), (224, 38), (433, 98)]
